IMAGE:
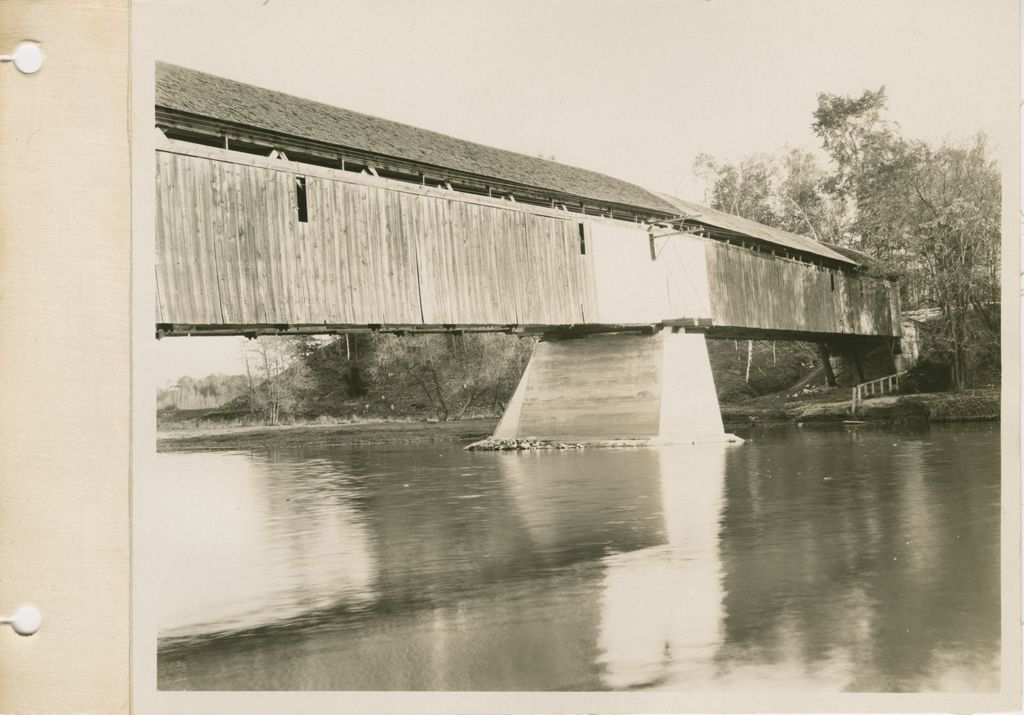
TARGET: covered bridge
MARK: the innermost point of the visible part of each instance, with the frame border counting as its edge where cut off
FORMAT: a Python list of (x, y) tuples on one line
[(277, 214)]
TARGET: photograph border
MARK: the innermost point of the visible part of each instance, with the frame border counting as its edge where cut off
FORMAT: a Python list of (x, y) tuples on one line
[(147, 698)]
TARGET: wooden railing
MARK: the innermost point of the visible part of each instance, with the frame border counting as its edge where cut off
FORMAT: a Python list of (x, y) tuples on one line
[(874, 388)]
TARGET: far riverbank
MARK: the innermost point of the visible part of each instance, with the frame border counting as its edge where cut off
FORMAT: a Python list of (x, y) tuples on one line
[(821, 408)]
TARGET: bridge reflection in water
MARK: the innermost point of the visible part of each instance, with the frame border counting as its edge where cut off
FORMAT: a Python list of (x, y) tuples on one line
[(866, 563)]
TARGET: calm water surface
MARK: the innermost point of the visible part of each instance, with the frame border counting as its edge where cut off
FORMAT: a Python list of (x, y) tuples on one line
[(846, 559)]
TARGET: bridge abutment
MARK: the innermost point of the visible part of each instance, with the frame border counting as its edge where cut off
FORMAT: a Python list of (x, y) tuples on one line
[(617, 388), (862, 360)]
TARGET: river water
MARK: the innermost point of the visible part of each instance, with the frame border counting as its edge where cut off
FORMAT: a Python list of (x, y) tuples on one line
[(840, 559)]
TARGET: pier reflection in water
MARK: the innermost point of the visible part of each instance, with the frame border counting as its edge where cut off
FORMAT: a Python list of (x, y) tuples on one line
[(840, 560)]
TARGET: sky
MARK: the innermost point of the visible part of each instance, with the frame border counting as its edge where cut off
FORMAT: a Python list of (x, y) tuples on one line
[(632, 89)]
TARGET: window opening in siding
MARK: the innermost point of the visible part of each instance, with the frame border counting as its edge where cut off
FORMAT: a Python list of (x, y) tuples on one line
[(300, 198), (583, 238), (832, 279)]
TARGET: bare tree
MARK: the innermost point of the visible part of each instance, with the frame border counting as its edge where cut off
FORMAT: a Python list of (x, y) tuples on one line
[(276, 375), (453, 372)]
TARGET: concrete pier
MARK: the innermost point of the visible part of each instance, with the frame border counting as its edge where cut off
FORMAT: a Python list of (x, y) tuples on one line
[(613, 388)]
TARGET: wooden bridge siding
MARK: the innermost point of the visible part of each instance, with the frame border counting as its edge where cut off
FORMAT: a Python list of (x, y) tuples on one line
[(230, 249), (755, 290)]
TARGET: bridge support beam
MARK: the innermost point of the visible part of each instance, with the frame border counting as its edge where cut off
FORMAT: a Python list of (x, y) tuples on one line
[(617, 388)]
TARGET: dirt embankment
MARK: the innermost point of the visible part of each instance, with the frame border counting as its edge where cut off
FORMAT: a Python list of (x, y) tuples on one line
[(834, 406)]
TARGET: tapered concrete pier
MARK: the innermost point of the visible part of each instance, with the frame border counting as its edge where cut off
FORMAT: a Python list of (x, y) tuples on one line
[(617, 388)]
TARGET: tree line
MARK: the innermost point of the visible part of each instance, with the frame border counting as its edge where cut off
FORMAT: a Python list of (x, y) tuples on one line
[(444, 376), (189, 393), (925, 212)]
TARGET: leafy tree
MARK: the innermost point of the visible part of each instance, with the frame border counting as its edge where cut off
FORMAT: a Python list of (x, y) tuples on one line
[(745, 189), (786, 192), (854, 133), (929, 212), (873, 169), (955, 241), (805, 207)]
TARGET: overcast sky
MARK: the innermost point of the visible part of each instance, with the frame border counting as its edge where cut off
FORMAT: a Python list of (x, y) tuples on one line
[(633, 89)]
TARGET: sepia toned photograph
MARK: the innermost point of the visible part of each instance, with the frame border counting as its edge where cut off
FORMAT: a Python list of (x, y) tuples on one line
[(575, 346)]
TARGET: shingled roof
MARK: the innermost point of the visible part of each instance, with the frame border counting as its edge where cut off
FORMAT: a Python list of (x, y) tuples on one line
[(186, 90), (746, 227), (209, 97)]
